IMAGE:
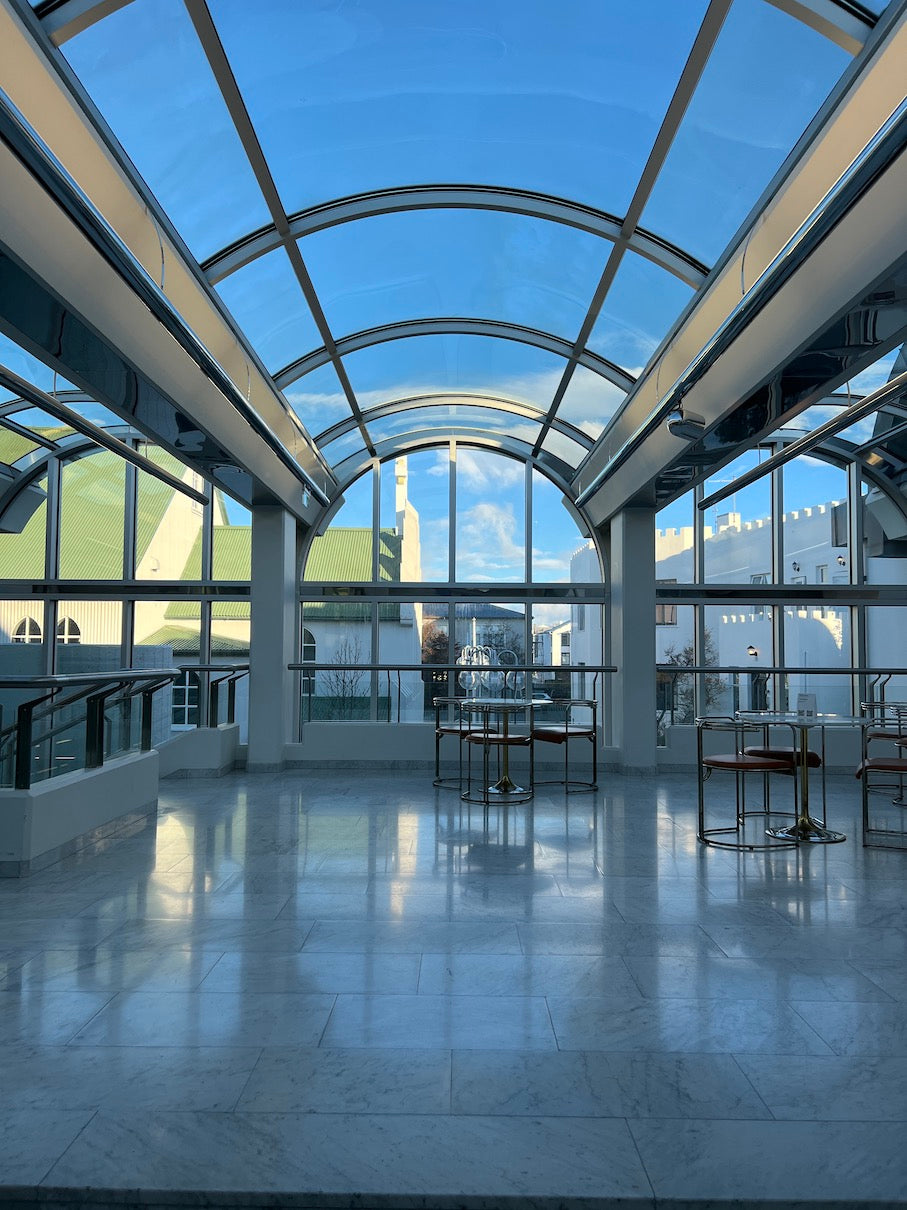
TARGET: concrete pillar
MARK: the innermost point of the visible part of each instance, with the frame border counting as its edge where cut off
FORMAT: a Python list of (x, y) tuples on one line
[(632, 561), (275, 594)]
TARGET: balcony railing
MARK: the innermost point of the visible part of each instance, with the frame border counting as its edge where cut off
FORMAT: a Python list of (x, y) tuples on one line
[(76, 721), (210, 686), (403, 693), (685, 692)]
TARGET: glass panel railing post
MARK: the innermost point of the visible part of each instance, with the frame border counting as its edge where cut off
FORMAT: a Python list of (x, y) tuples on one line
[(23, 745), (94, 731), (147, 718)]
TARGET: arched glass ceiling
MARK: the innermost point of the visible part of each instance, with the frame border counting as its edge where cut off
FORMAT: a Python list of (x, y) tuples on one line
[(656, 116)]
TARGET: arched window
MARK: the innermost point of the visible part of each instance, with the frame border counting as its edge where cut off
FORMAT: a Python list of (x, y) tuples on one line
[(28, 631), (308, 656), (68, 631)]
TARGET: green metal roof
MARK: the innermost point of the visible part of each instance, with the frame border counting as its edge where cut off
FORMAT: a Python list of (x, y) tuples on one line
[(184, 641)]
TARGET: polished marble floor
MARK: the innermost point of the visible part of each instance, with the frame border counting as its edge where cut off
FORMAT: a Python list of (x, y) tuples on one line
[(330, 989)]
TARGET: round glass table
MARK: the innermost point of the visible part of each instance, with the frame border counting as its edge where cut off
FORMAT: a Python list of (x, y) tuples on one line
[(805, 828)]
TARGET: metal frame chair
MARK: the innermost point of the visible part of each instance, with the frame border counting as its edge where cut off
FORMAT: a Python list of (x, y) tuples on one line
[(739, 762), (873, 835), (453, 725), (562, 733)]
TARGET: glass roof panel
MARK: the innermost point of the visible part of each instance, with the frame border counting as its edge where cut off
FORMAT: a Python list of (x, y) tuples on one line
[(643, 302), (589, 401), (145, 70), (767, 77), (425, 365), (268, 304), (318, 400), (344, 447), (563, 447), (454, 417), (14, 446), (564, 99), (477, 263)]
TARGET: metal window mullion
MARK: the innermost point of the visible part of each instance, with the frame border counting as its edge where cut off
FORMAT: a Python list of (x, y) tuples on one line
[(452, 514), (776, 495), (207, 533), (856, 557), (527, 524), (204, 657)]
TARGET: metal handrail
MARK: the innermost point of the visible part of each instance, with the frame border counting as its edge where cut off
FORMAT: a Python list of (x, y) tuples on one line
[(231, 674), (98, 688)]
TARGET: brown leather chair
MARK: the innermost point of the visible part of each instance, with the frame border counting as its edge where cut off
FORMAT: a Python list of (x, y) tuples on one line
[(739, 762), (566, 730)]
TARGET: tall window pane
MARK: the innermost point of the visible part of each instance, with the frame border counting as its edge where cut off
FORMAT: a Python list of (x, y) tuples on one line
[(491, 517), (22, 554), (92, 508), (738, 530), (168, 523), (814, 527)]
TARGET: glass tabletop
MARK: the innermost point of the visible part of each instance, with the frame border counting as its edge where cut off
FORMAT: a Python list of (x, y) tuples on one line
[(792, 719)]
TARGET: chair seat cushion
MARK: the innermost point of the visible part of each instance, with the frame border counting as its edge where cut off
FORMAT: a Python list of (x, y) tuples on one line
[(454, 729), (785, 752), (891, 733), (498, 739), (884, 764), (743, 763), (559, 733)]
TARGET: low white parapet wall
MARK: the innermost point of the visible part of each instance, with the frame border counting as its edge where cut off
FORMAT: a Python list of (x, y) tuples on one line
[(201, 752), (58, 817)]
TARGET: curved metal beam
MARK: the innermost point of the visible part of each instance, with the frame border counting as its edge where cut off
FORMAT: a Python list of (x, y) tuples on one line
[(455, 197), (407, 443), (409, 403), (459, 326)]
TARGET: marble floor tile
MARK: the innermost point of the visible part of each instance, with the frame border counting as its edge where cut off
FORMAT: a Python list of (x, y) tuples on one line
[(711, 978), (596, 1084), (393, 1155), (527, 975), (31, 1140), (762, 1163), (805, 941), (128, 1077), (197, 930), (859, 1088), (213, 1019), (891, 977), (113, 970), (859, 1029), (402, 937), (686, 1026), (321, 972), (446, 1022), (615, 939), (37, 1017), (348, 1081)]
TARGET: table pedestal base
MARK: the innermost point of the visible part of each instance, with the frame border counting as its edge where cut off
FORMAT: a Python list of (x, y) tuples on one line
[(806, 831)]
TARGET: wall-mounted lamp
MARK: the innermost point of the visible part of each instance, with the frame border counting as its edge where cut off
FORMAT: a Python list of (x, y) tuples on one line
[(753, 651), (795, 566), (841, 561)]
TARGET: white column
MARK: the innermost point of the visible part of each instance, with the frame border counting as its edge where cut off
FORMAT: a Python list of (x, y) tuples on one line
[(272, 708), (632, 565)]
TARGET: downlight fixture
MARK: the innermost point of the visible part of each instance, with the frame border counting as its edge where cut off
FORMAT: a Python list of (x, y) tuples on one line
[(687, 425)]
